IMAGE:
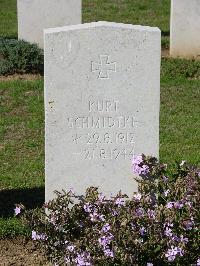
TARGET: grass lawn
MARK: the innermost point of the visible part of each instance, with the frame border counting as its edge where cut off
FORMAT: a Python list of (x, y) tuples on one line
[(143, 12), (8, 18), (22, 113), (22, 137)]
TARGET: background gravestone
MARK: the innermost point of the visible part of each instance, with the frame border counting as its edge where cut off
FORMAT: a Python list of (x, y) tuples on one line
[(102, 96), (36, 15), (185, 28)]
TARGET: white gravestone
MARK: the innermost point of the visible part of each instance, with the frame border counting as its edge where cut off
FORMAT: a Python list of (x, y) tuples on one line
[(185, 29), (36, 15), (102, 97)]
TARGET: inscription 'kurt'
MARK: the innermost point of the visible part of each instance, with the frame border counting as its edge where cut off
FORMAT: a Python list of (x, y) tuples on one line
[(103, 106)]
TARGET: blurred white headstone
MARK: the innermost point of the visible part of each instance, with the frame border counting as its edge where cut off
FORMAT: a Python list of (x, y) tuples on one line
[(185, 28), (36, 15)]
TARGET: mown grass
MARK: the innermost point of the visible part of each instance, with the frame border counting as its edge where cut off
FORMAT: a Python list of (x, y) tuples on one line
[(21, 150), (143, 12), (152, 13), (180, 111), (22, 123), (8, 18), (22, 134)]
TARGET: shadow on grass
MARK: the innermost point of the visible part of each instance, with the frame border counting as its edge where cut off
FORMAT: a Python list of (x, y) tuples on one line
[(10, 37), (31, 198), (165, 33)]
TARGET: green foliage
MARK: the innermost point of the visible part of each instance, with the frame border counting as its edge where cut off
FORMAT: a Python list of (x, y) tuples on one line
[(143, 12), (21, 135), (180, 68), (20, 57), (12, 227), (155, 13), (8, 18), (22, 132), (158, 225), (165, 42)]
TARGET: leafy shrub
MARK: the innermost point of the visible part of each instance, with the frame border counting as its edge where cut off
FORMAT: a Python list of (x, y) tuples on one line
[(20, 57), (157, 226)]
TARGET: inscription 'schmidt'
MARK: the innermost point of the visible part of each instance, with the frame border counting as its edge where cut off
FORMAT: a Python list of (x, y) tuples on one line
[(92, 122)]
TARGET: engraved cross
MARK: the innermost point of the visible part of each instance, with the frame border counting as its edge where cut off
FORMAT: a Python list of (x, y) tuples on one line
[(104, 67)]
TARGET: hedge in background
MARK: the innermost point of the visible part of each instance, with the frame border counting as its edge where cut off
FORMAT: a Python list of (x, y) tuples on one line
[(20, 57)]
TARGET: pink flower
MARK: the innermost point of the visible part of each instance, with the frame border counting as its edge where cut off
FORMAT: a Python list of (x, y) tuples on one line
[(170, 205), (94, 216), (137, 197), (166, 192), (142, 231), (120, 202), (137, 160), (71, 248), (36, 236), (105, 240), (108, 253), (88, 207), (17, 210), (173, 252), (189, 224), (137, 167), (168, 225), (139, 212), (183, 239), (178, 205), (141, 170), (102, 217), (83, 259), (105, 228), (115, 213), (101, 197), (145, 169), (151, 214), (168, 232)]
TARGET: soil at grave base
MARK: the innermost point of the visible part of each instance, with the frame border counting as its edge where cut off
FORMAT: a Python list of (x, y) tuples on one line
[(165, 53), (21, 77), (21, 252)]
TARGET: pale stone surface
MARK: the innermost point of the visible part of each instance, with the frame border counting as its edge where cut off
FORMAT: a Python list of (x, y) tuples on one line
[(185, 29), (36, 15), (102, 97)]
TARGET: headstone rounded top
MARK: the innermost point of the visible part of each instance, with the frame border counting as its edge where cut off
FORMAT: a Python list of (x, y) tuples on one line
[(102, 24)]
